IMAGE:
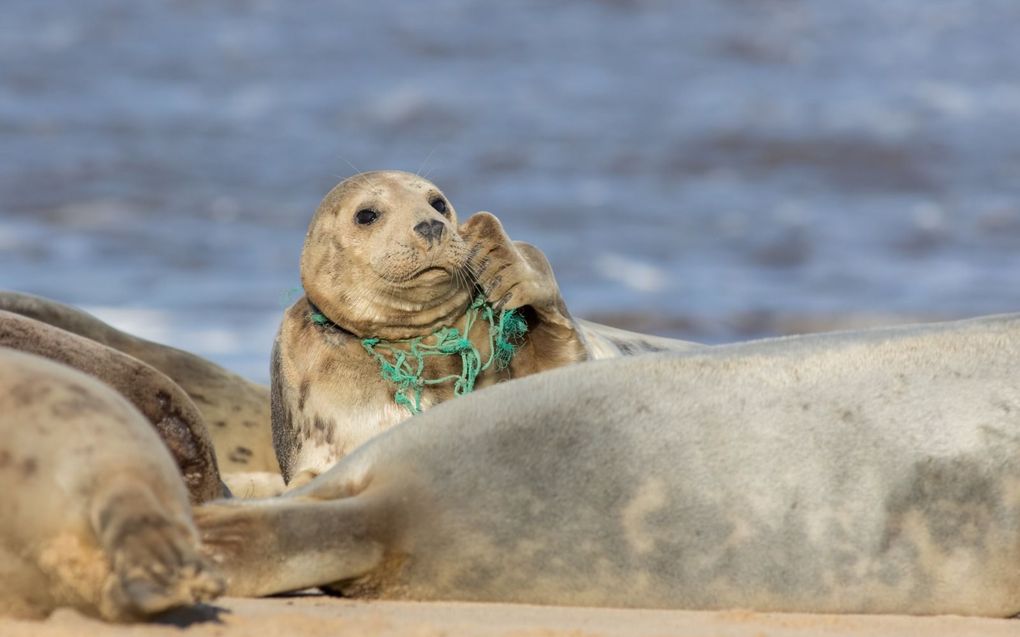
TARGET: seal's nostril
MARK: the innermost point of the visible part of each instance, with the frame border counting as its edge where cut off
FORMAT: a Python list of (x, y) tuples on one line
[(424, 229), (430, 230), (437, 228)]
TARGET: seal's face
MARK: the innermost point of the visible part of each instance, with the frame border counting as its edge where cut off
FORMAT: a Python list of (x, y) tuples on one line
[(383, 256)]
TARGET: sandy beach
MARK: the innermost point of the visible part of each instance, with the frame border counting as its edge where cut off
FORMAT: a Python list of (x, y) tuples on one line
[(315, 616)]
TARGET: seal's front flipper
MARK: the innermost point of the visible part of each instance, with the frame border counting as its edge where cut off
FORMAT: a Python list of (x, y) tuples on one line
[(153, 555), (278, 545)]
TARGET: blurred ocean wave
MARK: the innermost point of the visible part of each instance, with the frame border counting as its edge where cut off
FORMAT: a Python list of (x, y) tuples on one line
[(712, 169)]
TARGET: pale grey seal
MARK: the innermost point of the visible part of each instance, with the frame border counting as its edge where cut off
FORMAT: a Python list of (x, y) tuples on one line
[(862, 472)]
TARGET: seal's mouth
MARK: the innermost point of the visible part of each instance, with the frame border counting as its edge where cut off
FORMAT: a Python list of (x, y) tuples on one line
[(431, 272)]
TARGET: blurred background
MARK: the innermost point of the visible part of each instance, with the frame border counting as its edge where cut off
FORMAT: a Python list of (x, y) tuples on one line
[(708, 169)]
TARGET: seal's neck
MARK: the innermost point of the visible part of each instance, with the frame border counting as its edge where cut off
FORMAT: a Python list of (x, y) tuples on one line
[(405, 369), (393, 316)]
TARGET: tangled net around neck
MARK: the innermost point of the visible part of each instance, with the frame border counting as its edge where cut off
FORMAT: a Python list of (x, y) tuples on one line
[(402, 362)]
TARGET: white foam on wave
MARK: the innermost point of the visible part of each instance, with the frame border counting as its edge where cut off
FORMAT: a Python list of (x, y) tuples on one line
[(634, 274), (239, 343), (153, 325)]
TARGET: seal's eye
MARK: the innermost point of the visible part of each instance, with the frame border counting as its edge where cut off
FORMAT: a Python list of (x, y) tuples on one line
[(366, 217), (439, 205)]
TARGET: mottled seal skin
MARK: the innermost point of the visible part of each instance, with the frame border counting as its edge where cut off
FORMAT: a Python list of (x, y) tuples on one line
[(385, 257), (235, 409), (866, 472), (95, 515), (159, 399)]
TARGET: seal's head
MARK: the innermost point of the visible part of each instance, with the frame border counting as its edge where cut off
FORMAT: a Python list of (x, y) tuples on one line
[(383, 257)]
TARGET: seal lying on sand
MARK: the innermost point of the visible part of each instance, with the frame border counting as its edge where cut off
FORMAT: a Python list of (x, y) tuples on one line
[(384, 258), (235, 410), (159, 399), (94, 512), (867, 472)]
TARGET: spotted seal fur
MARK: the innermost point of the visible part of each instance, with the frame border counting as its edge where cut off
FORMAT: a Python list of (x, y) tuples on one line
[(95, 515)]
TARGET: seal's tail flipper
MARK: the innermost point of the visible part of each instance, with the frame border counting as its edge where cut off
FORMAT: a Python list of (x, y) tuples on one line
[(286, 544), (154, 557)]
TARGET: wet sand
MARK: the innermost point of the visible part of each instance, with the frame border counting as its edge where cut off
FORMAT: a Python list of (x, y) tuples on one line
[(315, 616)]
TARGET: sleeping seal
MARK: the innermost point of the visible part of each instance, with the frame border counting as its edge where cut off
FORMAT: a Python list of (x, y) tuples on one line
[(168, 409), (95, 515), (862, 472), (235, 410)]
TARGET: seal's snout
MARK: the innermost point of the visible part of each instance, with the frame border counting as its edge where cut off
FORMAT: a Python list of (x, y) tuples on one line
[(430, 230)]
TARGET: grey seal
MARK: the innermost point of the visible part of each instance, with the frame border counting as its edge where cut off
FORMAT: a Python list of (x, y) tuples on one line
[(169, 410), (385, 257), (235, 410), (863, 472), (95, 515)]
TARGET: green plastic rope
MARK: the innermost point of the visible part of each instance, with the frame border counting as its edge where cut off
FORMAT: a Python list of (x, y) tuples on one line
[(407, 365)]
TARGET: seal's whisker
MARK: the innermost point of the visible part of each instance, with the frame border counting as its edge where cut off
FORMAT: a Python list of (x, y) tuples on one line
[(357, 172), (459, 280), (427, 158), (465, 281), (472, 271)]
